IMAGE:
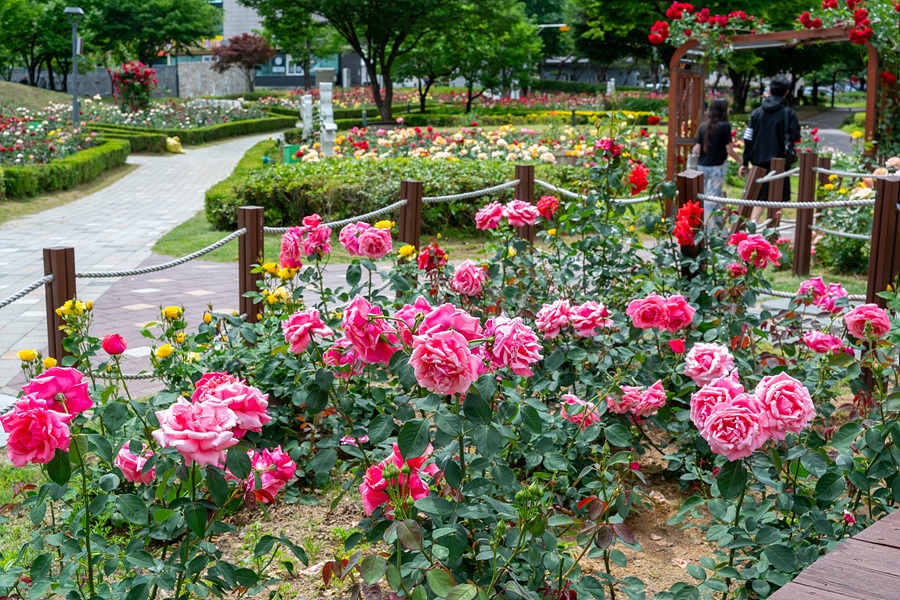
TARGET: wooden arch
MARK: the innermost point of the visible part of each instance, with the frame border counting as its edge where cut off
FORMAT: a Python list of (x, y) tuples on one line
[(687, 76)]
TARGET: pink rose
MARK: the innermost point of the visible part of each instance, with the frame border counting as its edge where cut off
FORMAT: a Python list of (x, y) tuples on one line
[(757, 250), (375, 243), (489, 216), (408, 314), (867, 316), (374, 486), (443, 362), (114, 344), (706, 362), (648, 313), (547, 206), (343, 357), (300, 328), (35, 431), (520, 213), (63, 387), (677, 346), (209, 382), (631, 396), (467, 278), (316, 241), (827, 301), (814, 286), (515, 345), (291, 249), (737, 270), (553, 317), (715, 392), (275, 468), (351, 441), (448, 317), (373, 338), (312, 221), (246, 402), (349, 237), (651, 400), (201, 432), (786, 404), (578, 411), (736, 428), (822, 343), (132, 466), (679, 313), (588, 317)]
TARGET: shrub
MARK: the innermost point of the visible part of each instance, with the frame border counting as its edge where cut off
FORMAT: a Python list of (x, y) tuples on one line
[(140, 141), (203, 135), (2, 185), (68, 172), (134, 84)]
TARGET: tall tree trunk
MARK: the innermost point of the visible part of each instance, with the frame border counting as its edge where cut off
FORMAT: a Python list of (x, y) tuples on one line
[(423, 93), (740, 83), (371, 71), (51, 84)]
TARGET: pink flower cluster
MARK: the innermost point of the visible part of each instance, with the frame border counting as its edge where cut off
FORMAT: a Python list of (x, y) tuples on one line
[(658, 312), (754, 249), (578, 411), (517, 212), (823, 343), (869, 317), (375, 486), (637, 400), (361, 239), (468, 278), (132, 466), (274, 468), (343, 357), (735, 424), (815, 291), (708, 361), (300, 328), (584, 318)]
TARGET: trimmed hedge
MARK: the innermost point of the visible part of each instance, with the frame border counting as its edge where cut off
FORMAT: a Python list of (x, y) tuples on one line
[(577, 87), (223, 192), (140, 141), (2, 185), (249, 96), (67, 172), (212, 133)]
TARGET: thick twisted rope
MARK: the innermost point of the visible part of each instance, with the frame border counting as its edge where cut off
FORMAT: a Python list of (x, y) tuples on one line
[(559, 190), (843, 234), (25, 291), (167, 265), (773, 175), (849, 173), (356, 219), (767, 204), (467, 195), (637, 199), (790, 295)]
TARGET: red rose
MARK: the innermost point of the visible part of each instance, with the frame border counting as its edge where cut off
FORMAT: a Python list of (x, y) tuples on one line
[(653, 120), (887, 77)]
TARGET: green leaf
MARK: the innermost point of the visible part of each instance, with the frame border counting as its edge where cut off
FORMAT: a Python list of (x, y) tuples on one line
[(815, 463), (846, 435), (238, 462), (732, 479), (114, 415), (413, 438), (109, 482), (354, 272), (372, 568), (440, 582), (697, 572), (829, 487), (782, 557), (464, 591), (380, 428), (323, 462), (59, 468), (618, 435), (41, 566), (195, 517), (218, 486), (531, 419), (477, 410), (435, 505), (555, 360), (132, 508), (410, 534), (486, 385)]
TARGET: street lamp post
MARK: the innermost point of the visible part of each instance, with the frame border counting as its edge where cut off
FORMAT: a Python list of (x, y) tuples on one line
[(74, 14)]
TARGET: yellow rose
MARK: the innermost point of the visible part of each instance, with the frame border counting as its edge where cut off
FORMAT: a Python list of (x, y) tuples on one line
[(207, 318), (180, 337), (79, 307), (842, 191), (407, 250), (164, 351), (27, 355), (286, 273), (856, 134), (89, 305), (511, 253), (271, 268), (551, 232), (193, 357), (384, 224), (829, 186), (832, 177), (49, 362), (631, 229), (172, 312)]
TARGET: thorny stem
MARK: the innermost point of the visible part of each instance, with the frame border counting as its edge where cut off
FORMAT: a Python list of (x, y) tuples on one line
[(87, 519), (737, 516)]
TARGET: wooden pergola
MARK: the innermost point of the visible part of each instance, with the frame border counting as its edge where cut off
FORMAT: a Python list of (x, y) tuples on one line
[(687, 76)]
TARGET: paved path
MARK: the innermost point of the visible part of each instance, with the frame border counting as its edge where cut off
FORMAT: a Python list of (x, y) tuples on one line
[(829, 124), (112, 229)]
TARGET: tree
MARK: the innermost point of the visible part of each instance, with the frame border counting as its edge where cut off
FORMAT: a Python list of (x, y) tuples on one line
[(306, 39), (247, 51), (19, 24), (428, 63), (380, 32)]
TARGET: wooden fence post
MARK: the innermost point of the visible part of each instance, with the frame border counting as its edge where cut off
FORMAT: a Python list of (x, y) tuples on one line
[(525, 193), (806, 192), (884, 256), (59, 262), (250, 252), (751, 192), (409, 227), (776, 191), (689, 185)]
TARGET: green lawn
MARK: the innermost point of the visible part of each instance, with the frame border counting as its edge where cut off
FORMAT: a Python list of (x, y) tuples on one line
[(32, 98)]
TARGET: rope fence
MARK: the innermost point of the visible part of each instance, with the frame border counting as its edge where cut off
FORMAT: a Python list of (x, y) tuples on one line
[(26, 290), (790, 295), (356, 219), (623, 201), (801, 205), (843, 234), (773, 176), (475, 194), (850, 174)]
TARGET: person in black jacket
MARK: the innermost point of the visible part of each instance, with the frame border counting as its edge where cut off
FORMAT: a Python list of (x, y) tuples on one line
[(765, 136)]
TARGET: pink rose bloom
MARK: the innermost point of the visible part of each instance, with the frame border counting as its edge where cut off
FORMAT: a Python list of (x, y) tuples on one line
[(737, 270), (631, 396), (275, 469), (291, 249), (489, 216), (35, 431), (786, 404), (131, 465), (408, 315), (580, 412), (351, 441), (588, 317), (679, 313), (515, 345), (827, 302), (706, 362), (374, 486), (651, 312), (373, 338), (317, 241), (822, 343), (443, 362), (757, 250), (715, 392), (859, 318), (343, 357), (300, 328), (814, 286), (63, 387), (375, 243), (520, 213), (114, 344), (736, 428), (200, 432), (448, 317), (349, 237), (553, 317), (418, 463), (651, 400), (677, 346), (209, 382), (467, 278), (312, 221), (246, 402)]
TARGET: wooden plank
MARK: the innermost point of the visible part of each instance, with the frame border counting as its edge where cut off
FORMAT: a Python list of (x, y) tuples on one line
[(794, 591), (849, 579), (806, 192), (885, 532), (525, 193)]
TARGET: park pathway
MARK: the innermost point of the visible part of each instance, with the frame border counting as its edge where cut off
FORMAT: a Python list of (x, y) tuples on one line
[(112, 229), (829, 124)]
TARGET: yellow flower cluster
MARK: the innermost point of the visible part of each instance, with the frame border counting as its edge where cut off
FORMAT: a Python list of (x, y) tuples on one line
[(406, 251), (74, 307), (172, 312), (164, 351), (287, 273), (856, 134), (384, 224), (279, 294), (27, 355)]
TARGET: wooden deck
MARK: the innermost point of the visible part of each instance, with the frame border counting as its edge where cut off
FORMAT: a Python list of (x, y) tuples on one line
[(864, 567)]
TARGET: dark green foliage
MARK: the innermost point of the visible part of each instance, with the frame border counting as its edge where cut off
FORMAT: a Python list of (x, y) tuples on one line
[(212, 133)]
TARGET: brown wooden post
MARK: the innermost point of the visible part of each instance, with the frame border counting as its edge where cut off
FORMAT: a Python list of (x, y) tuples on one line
[(776, 191), (250, 252), (525, 193), (884, 256), (59, 262), (689, 185), (409, 228), (751, 192), (806, 192)]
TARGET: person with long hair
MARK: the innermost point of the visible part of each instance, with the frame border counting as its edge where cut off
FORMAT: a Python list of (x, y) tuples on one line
[(714, 146)]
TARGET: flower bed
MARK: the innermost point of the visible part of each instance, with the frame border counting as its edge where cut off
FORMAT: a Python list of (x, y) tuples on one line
[(31, 139), (171, 115)]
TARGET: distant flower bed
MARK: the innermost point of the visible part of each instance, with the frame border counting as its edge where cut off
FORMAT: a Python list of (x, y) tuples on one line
[(171, 115), (29, 139)]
